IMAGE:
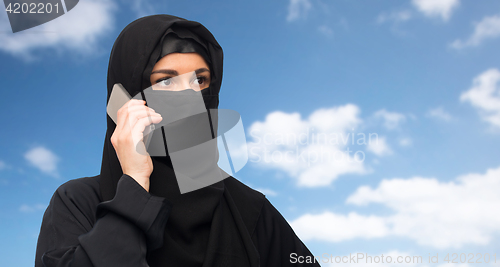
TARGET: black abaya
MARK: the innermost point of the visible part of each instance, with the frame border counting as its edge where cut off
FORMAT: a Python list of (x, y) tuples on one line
[(71, 236)]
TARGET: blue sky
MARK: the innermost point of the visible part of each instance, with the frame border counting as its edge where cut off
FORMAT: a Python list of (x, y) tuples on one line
[(422, 76)]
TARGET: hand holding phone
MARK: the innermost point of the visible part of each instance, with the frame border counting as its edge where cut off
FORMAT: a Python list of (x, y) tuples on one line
[(133, 121)]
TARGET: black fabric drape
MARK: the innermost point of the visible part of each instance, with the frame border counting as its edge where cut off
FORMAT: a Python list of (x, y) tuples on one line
[(133, 57), (80, 230)]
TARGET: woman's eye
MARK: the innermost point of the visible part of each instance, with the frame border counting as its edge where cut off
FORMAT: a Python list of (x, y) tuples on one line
[(165, 82), (199, 80)]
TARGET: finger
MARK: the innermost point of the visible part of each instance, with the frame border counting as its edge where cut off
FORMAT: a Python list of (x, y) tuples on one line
[(133, 109), (122, 115), (140, 126), (128, 115), (126, 129), (138, 114)]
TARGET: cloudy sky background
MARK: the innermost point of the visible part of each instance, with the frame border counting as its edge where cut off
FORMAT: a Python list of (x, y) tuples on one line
[(313, 80)]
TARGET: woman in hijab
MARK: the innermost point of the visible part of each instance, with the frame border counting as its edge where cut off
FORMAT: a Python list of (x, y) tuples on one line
[(133, 213)]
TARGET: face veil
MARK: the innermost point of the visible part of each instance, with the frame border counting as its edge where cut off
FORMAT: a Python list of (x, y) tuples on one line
[(200, 230)]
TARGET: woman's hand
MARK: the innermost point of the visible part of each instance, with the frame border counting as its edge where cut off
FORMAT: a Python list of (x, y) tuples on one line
[(132, 119)]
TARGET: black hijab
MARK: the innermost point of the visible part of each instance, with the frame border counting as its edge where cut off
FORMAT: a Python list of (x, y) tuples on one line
[(200, 230)]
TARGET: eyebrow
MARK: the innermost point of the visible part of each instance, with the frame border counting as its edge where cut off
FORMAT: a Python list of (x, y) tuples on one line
[(174, 72)]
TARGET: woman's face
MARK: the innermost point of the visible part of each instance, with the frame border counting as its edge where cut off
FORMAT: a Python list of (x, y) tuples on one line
[(175, 64)]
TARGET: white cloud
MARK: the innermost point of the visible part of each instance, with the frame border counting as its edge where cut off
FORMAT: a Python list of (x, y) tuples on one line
[(43, 159), (28, 209), (395, 19), (436, 8), (440, 114), (379, 147), (3, 165), (267, 191), (391, 119), (433, 213), (298, 9), (344, 24), (78, 30), (325, 30), (143, 8), (332, 227), (395, 16), (405, 141), (484, 95), (488, 28), (314, 151)]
